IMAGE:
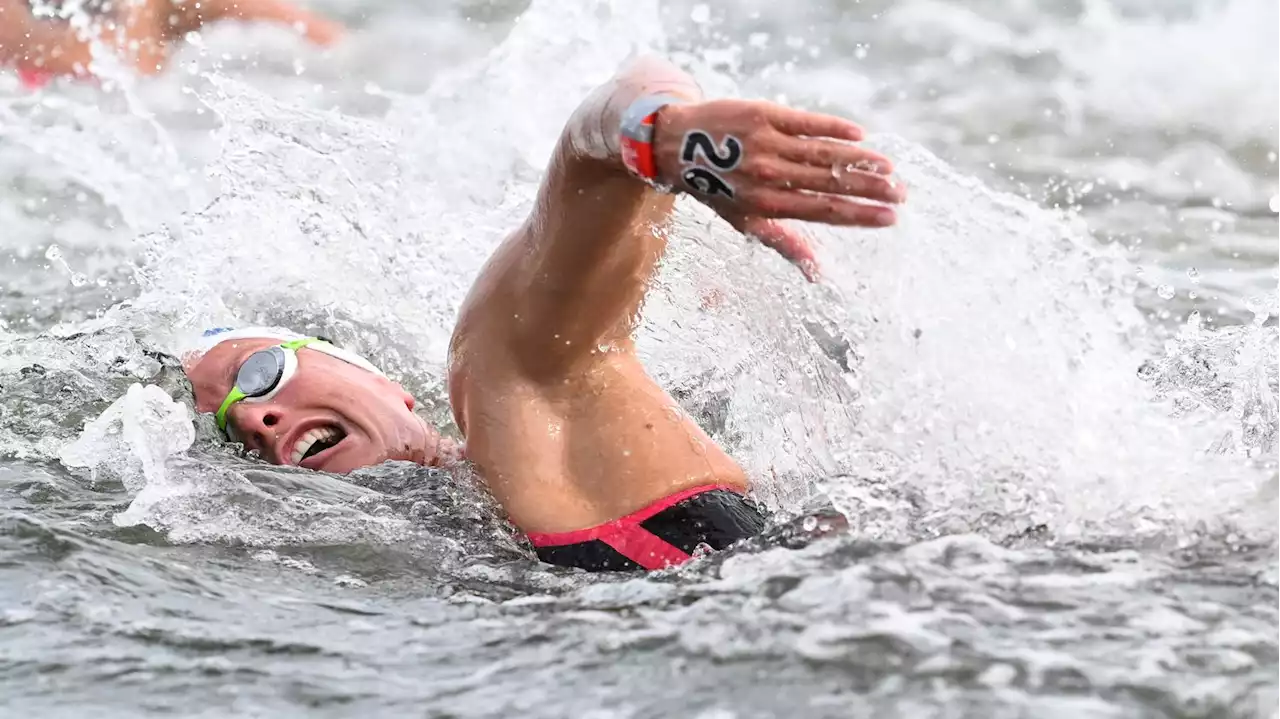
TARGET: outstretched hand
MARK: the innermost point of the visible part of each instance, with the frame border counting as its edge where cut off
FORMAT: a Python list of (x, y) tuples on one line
[(756, 162)]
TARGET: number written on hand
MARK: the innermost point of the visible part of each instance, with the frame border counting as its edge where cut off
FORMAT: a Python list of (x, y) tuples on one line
[(705, 182), (725, 157)]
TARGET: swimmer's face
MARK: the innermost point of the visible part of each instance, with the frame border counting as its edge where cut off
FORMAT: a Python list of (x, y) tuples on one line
[(360, 418)]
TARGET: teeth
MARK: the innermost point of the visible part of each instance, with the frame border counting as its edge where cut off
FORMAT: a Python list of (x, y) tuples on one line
[(311, 437)]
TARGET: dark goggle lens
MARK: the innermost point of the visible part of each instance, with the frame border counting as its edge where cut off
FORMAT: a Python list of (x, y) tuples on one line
[(260, 373)]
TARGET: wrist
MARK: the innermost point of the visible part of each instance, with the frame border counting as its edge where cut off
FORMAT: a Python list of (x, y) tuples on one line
[(638, 134)]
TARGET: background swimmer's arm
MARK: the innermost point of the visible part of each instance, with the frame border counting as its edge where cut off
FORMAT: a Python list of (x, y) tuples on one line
[(145, 30), (55, 46), (30, 42)]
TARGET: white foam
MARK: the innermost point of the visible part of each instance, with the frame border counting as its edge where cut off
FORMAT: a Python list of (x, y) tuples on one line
[(132, 439)]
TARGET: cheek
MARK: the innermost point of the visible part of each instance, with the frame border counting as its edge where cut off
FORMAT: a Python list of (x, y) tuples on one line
[(396, 415), (380, 402), (400, 422)]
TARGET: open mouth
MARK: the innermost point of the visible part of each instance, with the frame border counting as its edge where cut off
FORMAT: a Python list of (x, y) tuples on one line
[(315, 442)]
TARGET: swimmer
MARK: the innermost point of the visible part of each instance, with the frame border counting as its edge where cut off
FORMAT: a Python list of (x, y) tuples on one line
[(586, 453), (144, 33)]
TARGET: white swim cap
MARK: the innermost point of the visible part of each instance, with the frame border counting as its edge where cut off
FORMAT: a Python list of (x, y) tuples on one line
[(215, 336)]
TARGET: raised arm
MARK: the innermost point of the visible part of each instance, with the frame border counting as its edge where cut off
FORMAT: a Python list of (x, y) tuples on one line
[(573, 275), (572, 278), (560, 417)]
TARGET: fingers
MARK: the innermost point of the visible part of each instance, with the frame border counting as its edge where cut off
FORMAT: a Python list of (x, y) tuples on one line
[(811, 124), (828, 209), (829, 154), (760, 160), (834, 180), (784, 240)]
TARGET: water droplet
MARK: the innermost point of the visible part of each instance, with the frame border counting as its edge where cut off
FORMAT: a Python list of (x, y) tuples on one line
[(1192, 295), (702, 550), (53, 254), (993, 139), (1165, 291), (78, 279), (810, 524), (1194, 275), (1274, 204), (860, 52), (700, 14)]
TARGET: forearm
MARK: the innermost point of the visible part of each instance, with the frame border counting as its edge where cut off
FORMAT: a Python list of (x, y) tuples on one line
[(592, 233), (592, 242)]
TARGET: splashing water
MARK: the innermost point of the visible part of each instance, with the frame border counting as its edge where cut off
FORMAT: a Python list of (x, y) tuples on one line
[(1024, 461), (135, 435)]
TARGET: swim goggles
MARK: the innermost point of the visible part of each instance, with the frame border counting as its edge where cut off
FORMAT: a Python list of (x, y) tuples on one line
[(264, 373)]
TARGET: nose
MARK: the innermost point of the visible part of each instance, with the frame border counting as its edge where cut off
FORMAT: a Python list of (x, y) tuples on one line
[(257, 424)]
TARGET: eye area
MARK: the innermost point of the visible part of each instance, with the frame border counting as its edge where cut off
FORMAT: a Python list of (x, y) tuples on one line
[(261, 372)]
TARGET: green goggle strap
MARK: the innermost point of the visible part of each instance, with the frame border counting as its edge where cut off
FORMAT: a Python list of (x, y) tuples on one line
[(236, 394)]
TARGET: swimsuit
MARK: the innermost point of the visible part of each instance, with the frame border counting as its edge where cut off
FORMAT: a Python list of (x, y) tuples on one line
[(33, 79), (665, 533)]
